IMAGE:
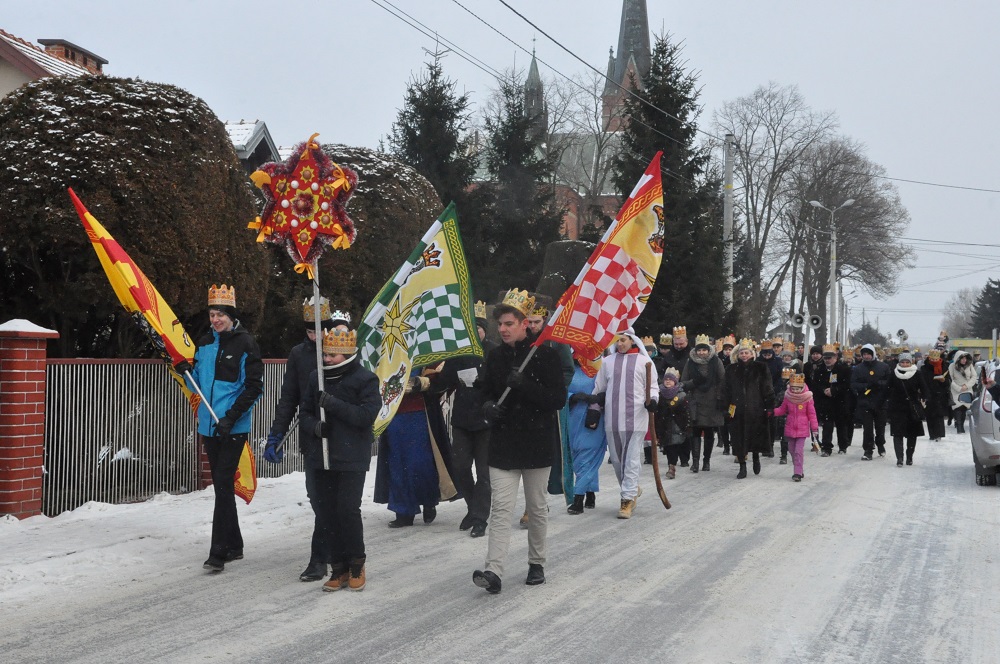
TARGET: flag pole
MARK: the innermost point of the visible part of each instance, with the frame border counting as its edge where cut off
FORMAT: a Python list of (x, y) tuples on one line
[(202, 395), (318, 328)]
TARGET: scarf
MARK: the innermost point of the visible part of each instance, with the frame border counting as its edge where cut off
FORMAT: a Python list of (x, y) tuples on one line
[(669, 392), (937, 366), (907, 373), (796, 398)]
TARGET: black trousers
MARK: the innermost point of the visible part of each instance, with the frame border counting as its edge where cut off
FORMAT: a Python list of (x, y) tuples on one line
[(316, 554), (911, 445), (842, 424), (873, 423), (709, 433), (223, 459), (339, 533), (468, 448)]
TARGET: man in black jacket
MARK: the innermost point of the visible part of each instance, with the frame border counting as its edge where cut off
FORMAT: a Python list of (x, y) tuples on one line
[(524, 426), (830, 383), (869, 382), (300, 366)]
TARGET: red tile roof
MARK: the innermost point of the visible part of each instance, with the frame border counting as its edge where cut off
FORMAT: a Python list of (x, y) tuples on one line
[(35, 61)]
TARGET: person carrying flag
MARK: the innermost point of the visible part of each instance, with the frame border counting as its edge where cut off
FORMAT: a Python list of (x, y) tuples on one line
[(229, 370)]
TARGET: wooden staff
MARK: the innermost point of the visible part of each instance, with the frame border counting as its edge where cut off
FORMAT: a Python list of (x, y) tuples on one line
[(652, 440)]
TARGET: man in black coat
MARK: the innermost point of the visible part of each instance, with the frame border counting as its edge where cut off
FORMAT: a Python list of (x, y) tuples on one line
[(524, 425), (830, 384), (300, 366), (869, 382)]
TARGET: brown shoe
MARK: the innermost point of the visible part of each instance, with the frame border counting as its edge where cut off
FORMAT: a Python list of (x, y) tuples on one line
[(626, 509), (336, 581), (357, 577), (671, 472)]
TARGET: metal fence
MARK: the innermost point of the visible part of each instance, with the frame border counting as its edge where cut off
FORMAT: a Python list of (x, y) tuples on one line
[(121, 431)]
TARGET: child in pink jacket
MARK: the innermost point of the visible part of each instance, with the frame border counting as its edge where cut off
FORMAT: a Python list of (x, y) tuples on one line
[(800, 420)]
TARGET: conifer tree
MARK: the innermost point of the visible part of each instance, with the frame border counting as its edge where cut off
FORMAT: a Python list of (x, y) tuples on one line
[(986, 312), (690, 286)]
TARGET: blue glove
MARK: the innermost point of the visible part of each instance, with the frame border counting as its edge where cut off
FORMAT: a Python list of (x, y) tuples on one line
[(272, 452)]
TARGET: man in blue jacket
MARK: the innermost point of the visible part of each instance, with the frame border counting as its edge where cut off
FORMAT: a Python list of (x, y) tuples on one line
[(230, 373)]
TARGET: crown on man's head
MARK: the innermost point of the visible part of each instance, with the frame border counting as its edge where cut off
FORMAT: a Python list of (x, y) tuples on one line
[(648, 341), (681, 331), (797, 379), (339, 314), (702, 340), (480, 309), (777, 340), (766, 344), (666, 339), (520, 300), (309, 310), (830, 349), (934, 354), (540, 311), (222, 296), (340, 342)]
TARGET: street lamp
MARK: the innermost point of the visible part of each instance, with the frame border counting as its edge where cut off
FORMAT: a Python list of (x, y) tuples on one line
[(834, 305)]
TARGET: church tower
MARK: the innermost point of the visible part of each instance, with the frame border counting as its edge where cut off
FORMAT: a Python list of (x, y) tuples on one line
[(534, 102), (631, 60)]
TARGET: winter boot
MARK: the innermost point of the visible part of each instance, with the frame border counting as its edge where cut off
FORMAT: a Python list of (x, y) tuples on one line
[(536, 574), (647, 455), (356, 580), (314, 572), (784, 451), (487, 580), (695, 452), (705, 465), (577, 506), (214, 564), (591, 500), (401, 521), (909, 456), (339, 578), (756, 463), (625, 512), (743, 471), (725, 449), (671, 472), (430, 513)]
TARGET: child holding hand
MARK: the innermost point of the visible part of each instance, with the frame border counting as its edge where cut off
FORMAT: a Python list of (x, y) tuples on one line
[(800, 420)]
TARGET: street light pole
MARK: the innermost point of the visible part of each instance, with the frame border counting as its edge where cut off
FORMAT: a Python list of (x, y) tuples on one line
[(834, 303)]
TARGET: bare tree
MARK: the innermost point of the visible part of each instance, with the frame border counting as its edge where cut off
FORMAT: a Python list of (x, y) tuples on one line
[(773, 129), (957, 312)]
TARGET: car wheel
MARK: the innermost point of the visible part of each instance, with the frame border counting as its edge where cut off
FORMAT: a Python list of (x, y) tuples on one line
[(986, 480)]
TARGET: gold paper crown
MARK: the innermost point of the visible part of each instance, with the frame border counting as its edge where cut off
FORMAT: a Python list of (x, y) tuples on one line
[(766, 344), (934, 354), (745, 344), (222, 296), (797, 379), (829, 348), (730, 340), (681, 331), (778, 340), (787, 373), (648, 341), (718, 344), (540, 311), (340, 342), (666, 339), (309, 310), (702, 339), (673, 373), (519, 300), (480, 309)]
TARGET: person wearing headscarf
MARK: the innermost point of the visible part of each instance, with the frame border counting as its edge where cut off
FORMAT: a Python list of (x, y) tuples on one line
[(962, 373), (906, 392), (625, 378)]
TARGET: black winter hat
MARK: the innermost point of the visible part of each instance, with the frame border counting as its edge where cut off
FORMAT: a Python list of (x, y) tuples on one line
[(816, 349), (224, 308)]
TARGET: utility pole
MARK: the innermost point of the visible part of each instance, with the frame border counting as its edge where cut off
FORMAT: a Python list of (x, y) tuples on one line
[(727, 216), (834, 301)]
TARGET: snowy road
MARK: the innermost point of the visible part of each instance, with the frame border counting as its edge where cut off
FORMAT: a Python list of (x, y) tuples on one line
[(861, 562)]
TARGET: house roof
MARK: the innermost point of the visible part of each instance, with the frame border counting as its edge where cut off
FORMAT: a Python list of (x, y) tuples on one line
[(246, 135), (35, 62), (63, 42)]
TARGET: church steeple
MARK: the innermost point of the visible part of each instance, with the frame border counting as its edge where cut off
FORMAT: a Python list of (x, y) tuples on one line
[(534, 101), (633, 55)]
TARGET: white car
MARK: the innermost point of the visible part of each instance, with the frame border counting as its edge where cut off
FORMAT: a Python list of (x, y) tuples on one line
[(984, 430)]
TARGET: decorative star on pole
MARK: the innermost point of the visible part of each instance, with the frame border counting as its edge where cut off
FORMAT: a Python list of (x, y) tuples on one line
[(305, 204)]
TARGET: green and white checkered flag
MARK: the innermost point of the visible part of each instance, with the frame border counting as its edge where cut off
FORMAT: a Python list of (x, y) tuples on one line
[(422, 316)]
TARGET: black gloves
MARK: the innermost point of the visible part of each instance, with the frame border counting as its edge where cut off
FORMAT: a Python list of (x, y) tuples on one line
[(493, 411), (318, 429), (183, 367), (651, 405), (593, 418), (598, 398), (515, 379), (579, 397), (326, 401), (224, 426)]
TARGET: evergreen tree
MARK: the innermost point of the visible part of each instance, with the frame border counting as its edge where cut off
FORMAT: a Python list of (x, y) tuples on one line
[(869, 334), (431, 134), (690, 286), (986, 312), (523, 216)]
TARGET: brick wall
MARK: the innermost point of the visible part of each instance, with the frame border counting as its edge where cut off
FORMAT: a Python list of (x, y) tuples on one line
[(22, 416)]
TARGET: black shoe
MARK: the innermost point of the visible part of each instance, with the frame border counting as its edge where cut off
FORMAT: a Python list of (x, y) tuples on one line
[(591, 500), (647, 453), (233, 554), (536, 575), (314, 572), (909, 460), (577, 506), (841, 451), (826, 453), (430, 513), (214, 564), (881, 451), (694, 467), (467, 522), (899, 462), (743, 472), (684, 464), (769, 455), (783, 461), (478, 529), (725, 450), (867, 456), (756, 464), (719, 444), (796, 477), (705, 465), (401, 521), (487, 580)]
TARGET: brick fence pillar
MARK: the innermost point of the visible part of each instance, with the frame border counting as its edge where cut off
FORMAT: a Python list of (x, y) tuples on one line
[(204, 469), (22, 416)]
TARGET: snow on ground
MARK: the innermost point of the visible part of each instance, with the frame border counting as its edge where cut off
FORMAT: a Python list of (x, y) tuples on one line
[(861, 562)]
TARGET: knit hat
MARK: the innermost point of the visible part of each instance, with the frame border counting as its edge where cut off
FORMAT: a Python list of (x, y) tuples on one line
[(905, 356), (672, 373)]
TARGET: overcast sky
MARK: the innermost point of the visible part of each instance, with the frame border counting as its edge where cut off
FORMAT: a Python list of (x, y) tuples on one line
[(914, 81)]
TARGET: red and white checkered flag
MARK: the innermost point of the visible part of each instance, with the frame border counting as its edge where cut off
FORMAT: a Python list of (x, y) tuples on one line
[(612, 288)]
